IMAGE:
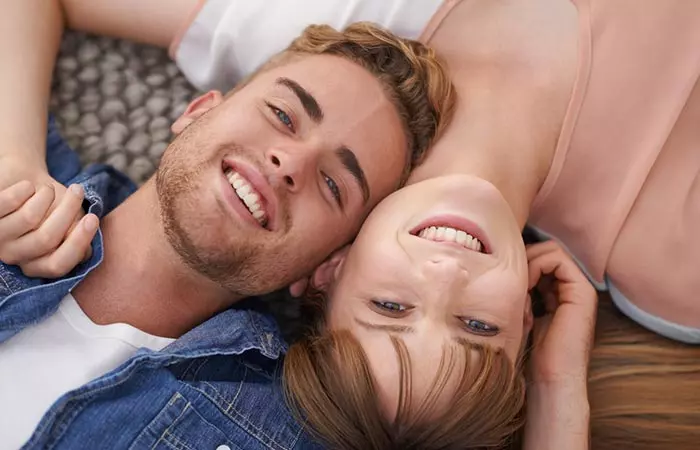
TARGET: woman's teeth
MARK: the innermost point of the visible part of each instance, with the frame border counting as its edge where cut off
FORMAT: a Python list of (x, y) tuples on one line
[(448, 234), (248, 195)]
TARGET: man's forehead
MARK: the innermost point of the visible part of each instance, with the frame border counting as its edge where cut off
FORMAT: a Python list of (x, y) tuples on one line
[(327, 77)]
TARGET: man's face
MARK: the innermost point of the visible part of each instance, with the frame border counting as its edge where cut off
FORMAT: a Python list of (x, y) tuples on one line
[(260, 187)]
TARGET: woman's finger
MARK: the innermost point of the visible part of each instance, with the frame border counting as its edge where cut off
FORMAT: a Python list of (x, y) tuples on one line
[(68, 255), (14, 196), (52, 231), (556, 263), (24, 220), (536, 250)]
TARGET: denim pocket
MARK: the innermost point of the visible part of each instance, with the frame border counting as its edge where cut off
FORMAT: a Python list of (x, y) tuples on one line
[(179, 426)]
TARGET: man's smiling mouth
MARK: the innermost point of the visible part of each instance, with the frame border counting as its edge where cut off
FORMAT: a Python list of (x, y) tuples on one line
[(248, 196)]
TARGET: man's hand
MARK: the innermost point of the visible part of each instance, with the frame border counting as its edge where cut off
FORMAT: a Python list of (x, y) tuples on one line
[(558, 409), (44, 242)]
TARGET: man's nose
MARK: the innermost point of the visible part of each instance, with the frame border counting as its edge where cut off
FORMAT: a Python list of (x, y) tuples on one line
[(291, 167)]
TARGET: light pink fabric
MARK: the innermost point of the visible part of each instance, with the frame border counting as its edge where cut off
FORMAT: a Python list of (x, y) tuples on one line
[(623, 193)]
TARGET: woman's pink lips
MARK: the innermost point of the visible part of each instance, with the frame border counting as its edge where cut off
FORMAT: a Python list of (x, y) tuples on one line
[(456, 222)]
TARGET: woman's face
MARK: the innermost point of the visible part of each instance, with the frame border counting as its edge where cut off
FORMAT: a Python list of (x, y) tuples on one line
[(439, 261)]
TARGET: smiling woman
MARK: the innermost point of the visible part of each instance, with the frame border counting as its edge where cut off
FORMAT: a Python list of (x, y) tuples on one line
[(422, 339)]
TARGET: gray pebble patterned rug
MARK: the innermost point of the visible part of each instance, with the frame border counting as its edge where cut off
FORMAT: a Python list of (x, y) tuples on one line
[(114, 102)]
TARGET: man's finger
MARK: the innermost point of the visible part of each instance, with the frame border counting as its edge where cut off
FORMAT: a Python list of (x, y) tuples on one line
[(68, 255)]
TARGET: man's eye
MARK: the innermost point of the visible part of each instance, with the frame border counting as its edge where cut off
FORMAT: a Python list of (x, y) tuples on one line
[(282, 116), (390, 306), (333, 187), (481, 328)]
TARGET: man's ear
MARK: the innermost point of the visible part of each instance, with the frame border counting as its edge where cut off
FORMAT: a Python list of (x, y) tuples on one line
[(324, 275), (196, 109)]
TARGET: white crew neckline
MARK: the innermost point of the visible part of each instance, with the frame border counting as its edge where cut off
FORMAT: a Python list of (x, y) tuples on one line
[(123, 332)]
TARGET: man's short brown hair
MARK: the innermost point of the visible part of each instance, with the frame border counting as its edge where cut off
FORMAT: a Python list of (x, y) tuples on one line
[(414, 78)]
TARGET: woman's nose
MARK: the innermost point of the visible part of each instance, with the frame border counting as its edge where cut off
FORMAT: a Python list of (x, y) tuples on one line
[(447, 272)]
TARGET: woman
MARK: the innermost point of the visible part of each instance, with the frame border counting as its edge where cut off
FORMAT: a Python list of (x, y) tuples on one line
[(423, 336)]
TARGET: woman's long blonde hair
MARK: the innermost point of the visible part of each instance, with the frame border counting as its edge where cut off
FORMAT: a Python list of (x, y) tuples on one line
[(644, 390)]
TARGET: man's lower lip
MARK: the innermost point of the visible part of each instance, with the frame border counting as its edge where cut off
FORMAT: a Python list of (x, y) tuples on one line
[(236, 204)]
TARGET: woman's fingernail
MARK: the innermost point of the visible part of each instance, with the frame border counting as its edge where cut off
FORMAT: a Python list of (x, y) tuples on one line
[(76, 189), (90, 223)]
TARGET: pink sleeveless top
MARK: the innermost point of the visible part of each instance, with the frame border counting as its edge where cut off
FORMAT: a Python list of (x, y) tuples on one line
[(623, 192)]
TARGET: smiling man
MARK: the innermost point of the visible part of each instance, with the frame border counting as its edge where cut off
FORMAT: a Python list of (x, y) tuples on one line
[(256, 190)]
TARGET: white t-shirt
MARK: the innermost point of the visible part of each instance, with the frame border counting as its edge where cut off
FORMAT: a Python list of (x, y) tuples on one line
[(226, 40), (62, 353)]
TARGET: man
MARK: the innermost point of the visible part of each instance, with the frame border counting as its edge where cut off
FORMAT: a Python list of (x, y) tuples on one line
[(258, 187)]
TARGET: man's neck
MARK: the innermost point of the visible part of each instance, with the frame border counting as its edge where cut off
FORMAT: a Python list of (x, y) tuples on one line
[(142, 281)]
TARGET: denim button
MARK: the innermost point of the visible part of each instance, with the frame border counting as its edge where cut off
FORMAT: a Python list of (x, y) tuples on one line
[(223, 447)]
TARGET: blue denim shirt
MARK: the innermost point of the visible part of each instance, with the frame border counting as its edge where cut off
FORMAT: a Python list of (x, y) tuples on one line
[(218, 386)]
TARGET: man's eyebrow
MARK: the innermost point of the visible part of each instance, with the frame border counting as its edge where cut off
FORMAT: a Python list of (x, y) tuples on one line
[(383, 327), (311, 106), (349, 160)]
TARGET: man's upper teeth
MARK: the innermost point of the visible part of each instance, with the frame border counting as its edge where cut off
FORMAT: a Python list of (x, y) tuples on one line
[(449, 234), (247, 194)]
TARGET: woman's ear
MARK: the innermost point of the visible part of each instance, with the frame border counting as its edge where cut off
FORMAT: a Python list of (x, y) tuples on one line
[(196, 109)]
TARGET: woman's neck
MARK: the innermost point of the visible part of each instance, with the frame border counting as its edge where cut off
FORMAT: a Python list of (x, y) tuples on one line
[(518, 175), (513, 64), (492, 140)]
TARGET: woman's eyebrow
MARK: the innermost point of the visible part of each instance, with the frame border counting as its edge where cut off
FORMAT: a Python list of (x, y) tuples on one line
[(384, 327)]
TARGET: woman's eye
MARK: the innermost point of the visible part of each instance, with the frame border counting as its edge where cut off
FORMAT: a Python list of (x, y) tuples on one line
[(390, 306), (333, 187), (282, 116), (482, 328)]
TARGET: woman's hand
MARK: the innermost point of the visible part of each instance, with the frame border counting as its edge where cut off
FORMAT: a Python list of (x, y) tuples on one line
[(44, 241), (22, 167), (558, 410), (562, 338)]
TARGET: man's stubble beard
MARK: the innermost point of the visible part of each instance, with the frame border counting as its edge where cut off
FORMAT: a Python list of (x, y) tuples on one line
[(242, 266)]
